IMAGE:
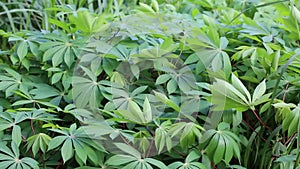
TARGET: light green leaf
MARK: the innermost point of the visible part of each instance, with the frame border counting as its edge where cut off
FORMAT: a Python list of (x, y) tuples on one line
[(56, 141), (259, 91), (22, 50), (16, 135), (128, 149), (67, 151), (147, 112), (240, 86), (68, 57), (58, 56), (80, 150), (138, 90), (171, 86), (156, 163), (220, 150), (162, 79), (120, 159), (193, 156)]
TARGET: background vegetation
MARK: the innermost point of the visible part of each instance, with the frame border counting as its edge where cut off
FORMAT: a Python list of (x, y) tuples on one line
[(149, 84)]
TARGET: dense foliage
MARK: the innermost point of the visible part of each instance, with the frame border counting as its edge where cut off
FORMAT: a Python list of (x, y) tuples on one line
[(179, 84)]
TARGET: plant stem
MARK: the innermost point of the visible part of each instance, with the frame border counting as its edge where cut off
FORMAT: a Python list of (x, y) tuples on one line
[(285, 91), (149, 150), (254, 130), (32, 127), (59, 165), (260, 121)]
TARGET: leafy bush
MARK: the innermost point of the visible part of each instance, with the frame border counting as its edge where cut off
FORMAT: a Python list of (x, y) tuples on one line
[(149, 84)]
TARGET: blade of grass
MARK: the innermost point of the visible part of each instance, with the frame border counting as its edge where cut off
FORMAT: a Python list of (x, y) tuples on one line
[(266, 147), (10, 18), (283, 69), (258, 6)]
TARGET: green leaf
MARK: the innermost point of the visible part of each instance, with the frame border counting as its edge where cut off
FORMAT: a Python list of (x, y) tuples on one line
[(68, 57), (240, 86), (67, 151), (162, 138), (219, 154), (138, 90), (38, 141), (147, 112), (156, 163), (164, 99), (49, 53), (175, 165), (128, 149), (56, 141), (171, 86), (80, 150), (259, 91), (155, 5), (16, 134), (146, 8), (15, 149), (191, 59), (22, 50), (30, 162), (87, 167), (229, 151), (56, 77), (135, 114), (212, 146), (58, 56), (120, 159), (193, 156), (162, 79)]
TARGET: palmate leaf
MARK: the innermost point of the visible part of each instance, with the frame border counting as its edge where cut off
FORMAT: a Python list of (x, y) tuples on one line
[(22, 49), (164, 99), (75, 141), (129, 161), (10, 158), (86, 89), (86, 22), (60, 48), (11, 120), (236, 96), (135, 114), (28, 99), (42, 91), (220, 144), (10, 81), (40, 115), (182, 78), (38, 142), (209, 48), (120, 96), (290, 118), (162, 137), (191, 162), (159, 54), (187, 133)]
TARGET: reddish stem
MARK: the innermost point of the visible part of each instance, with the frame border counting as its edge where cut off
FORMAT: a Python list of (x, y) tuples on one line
[(149, 150), (254, 130), (32, 127), (59, 165), (260, 121), (289, 139), (285, 91), (213, 165)]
